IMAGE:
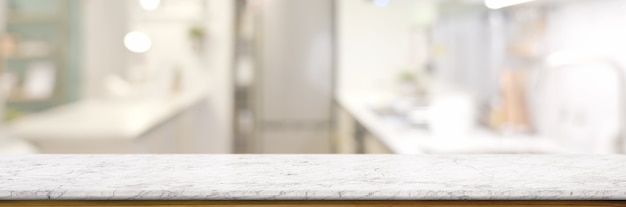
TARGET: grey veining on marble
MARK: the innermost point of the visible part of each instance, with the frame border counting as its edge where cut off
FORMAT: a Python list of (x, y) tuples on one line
[(312, 177)]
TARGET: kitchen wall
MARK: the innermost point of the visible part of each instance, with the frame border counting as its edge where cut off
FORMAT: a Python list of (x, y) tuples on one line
[(103, 51), (220, 53), (592, 26), (376, 43)]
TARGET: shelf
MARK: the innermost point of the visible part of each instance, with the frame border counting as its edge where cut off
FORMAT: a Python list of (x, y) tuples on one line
[(23, 58), (170, 20), (18, 98), (32, 19), (46, 31), (25, 100)]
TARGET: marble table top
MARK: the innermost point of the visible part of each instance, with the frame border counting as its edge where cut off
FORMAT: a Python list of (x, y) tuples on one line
[(313, 177)]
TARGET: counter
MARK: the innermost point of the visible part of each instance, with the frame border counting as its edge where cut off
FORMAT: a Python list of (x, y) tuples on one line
[(312, 177), (121, 119), (171, 124), (402, 138)]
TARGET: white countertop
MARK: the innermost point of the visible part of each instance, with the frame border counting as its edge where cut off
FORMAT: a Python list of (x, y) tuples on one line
[(10, 145), (402, 139), (313, 177), (105, 118)]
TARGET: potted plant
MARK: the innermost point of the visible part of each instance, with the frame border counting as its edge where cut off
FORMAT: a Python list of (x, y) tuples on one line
[(197, 35)]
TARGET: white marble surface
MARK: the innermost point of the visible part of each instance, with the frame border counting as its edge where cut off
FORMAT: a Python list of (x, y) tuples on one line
[(313, 177)]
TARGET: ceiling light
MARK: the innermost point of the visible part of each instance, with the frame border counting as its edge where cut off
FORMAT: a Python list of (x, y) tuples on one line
[(497, 4), (137, 42), (381, 3), (149, 4)]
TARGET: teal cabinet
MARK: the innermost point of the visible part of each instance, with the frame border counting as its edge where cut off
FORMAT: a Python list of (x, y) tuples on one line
[(48, 39)]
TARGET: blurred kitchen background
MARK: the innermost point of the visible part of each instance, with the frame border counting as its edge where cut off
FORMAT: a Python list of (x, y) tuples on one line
[(313, 76)]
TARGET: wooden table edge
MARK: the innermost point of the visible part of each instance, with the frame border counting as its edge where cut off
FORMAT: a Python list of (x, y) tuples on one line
[(325, 203)]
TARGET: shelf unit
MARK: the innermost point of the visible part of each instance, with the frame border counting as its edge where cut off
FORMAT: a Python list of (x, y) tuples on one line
[(55, 23)]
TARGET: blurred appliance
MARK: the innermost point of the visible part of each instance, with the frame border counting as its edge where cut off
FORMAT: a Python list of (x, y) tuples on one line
[(284, 76)]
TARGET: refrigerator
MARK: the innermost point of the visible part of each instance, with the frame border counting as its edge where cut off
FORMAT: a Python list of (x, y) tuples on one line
[(284, 76)]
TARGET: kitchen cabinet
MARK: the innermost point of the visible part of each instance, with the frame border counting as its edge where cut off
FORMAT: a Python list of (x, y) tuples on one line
[(46, 64)]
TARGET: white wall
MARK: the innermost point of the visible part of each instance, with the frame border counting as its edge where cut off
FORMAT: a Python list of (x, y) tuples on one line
[(172, 48), (377, 43), (105, 22), (594, 26), (220, 59), (104, 25)]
